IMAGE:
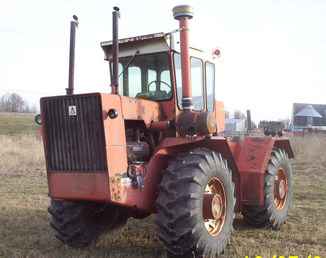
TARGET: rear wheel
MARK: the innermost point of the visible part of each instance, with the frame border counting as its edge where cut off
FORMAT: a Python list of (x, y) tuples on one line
[(195, 207), (277, 191), (78, 224)]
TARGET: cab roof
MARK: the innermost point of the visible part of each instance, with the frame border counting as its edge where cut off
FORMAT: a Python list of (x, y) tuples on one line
[(149, 43), (145, 44)]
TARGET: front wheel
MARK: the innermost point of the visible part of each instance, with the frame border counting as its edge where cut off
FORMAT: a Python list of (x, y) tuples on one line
[(79, 224), (195, 207)]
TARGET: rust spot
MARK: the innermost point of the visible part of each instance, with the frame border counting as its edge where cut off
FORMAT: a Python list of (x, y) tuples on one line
[(115, 187)]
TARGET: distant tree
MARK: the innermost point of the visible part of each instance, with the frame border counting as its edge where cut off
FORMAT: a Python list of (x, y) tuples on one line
[(12, 103)]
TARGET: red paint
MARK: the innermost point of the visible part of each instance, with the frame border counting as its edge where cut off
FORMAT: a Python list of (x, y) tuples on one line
[(79, 186), (185, 57), (251, 156)]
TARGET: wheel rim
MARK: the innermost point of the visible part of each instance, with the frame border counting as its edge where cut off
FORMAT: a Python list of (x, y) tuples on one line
[(280, 189), (214, 206)]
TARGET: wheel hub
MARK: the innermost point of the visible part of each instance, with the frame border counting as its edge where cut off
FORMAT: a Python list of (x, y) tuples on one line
[(217, 206), (280, 189), (214, 206)]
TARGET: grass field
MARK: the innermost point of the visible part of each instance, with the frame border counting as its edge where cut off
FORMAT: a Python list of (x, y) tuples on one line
[(24, 230), (17, 123)]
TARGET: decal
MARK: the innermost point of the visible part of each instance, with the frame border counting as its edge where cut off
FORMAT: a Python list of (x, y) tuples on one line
[(72, 111)]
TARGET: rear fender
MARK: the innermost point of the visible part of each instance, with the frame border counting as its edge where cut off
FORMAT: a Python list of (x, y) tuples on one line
[(252, 160)]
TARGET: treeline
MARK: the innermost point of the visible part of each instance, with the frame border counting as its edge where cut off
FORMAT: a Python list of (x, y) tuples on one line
[(13, 102)]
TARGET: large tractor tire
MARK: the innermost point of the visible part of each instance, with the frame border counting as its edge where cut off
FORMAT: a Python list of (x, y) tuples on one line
[(195, 206), (79, 224), (277, 191)]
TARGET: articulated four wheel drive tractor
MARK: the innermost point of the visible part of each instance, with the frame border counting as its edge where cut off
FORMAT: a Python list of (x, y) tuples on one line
[(155, 144)]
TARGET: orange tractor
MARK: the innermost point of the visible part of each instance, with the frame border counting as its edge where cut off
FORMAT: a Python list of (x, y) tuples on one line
[(155, 145)]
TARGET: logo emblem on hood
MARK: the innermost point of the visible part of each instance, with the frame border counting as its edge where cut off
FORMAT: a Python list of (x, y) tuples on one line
[(72, 111)]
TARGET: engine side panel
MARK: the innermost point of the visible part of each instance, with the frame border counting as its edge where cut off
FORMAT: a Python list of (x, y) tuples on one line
[(140, 109), (115, 142)]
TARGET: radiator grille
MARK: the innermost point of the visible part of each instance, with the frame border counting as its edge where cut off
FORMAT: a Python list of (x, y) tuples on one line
[(74, 142)]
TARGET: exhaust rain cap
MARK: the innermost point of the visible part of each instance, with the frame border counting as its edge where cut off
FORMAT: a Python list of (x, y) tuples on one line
[(182, 11)]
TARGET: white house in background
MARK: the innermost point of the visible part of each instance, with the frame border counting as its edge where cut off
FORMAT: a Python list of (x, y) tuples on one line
[(309, 116)]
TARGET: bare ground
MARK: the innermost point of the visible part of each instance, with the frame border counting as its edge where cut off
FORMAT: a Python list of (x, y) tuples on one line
[(24, 230)]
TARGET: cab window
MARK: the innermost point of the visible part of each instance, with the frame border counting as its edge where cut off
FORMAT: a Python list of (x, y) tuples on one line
[(145, 76), (177, 67), (196, 81), (134, 81), (210, 85)]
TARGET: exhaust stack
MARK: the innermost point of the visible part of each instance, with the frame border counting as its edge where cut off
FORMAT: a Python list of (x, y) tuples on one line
[(115, 54), (183, 13), (188, 122), (73, 26), (248, 121)]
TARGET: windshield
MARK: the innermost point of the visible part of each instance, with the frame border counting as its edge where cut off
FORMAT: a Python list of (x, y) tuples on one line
[(145, 76)]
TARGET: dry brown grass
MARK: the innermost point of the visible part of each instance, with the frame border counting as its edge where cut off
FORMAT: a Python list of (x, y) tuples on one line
[(22, 154), (24, 230)]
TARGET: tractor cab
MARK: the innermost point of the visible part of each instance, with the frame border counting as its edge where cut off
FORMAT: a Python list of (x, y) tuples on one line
[(150, 68), (144, 67)]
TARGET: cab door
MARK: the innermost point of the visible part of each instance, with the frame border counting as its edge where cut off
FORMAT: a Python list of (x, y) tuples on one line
[(212, 104)]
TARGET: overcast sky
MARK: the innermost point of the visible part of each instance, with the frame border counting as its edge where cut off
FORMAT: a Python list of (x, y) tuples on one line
[(273, 51)]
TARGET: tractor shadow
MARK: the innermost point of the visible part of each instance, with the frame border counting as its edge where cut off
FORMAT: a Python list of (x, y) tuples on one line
[(239, 224), (27, 233)]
